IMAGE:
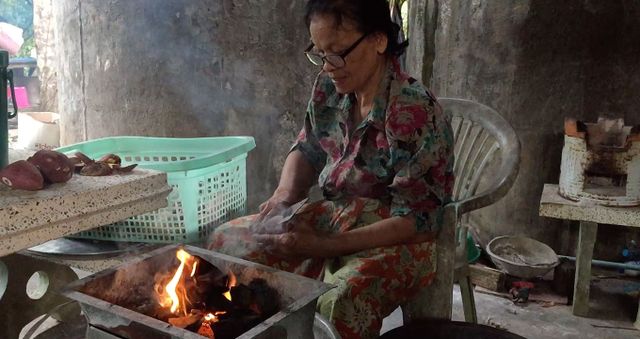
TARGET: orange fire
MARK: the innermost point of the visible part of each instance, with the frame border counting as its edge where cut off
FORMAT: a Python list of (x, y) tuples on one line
[(213, 317), (232, 282), (174, 294)]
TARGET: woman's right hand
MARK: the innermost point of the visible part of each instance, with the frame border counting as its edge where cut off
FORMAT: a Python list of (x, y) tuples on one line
[(280, 196)]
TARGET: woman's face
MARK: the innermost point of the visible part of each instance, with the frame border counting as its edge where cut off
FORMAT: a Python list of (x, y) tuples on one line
[(360, 64)]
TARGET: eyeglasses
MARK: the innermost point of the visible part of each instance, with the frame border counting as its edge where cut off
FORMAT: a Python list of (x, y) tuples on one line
[(335, 60)]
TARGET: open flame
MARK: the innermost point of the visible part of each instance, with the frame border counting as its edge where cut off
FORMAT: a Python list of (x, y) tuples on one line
[(213, 317), (174, 289), (231, 283), (174, 293)]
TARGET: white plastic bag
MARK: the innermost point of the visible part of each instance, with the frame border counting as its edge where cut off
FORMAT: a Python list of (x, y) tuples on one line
[(10, 38), (276, 221)]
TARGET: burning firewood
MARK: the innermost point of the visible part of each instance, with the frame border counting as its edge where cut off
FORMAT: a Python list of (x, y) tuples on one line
[(199, 297), (264, 297), (206, 331), (188, 320)]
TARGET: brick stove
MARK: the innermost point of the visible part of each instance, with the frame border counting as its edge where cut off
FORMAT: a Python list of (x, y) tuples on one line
[(601, 163)]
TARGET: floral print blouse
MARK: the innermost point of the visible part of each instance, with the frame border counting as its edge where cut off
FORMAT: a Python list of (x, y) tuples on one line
[(401, 153)]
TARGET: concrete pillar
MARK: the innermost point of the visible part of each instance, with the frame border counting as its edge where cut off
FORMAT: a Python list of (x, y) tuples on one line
[(186, 68), (421, 35), (43, 29), (536, 62)]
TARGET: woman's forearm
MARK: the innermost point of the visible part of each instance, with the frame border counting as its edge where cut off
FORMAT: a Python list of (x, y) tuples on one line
[(297, 177), (387, 232)]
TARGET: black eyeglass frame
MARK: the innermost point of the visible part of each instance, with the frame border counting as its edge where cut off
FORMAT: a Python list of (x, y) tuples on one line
[(325, 58)]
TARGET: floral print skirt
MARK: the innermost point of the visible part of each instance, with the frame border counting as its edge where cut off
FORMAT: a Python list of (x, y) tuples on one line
[(369, 284)]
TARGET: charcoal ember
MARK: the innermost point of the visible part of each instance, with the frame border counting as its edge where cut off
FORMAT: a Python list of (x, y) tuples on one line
[(162, 313), (241, 296), (233, 325), (265, 298), (206, 331), (217, 301), (210, 284), (209, 276)]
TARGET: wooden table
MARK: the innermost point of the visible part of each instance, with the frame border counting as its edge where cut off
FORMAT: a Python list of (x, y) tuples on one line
[(589, 214)]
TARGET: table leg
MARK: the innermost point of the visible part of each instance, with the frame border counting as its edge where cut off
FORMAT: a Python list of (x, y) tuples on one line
[(586, 241), (19, 304), (637, 323)]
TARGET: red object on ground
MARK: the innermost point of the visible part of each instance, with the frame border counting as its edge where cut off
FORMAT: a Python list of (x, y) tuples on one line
[(22, 99), (523, 284)]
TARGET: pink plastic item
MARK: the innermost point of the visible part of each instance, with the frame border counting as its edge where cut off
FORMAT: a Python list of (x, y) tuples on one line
[(22, 99)]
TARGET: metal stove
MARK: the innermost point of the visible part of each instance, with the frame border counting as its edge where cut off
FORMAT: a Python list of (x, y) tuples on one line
[(99, 295)]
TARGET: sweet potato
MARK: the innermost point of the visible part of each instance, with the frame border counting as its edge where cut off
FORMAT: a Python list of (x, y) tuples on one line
[(22, 175), (55, 166), (96, 169), (111, 159)]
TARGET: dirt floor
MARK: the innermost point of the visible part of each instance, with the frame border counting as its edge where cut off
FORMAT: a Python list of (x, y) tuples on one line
[(614, 303)]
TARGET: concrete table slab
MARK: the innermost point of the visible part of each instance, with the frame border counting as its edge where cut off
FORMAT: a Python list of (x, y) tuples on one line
[(32, 218), (589, 214)]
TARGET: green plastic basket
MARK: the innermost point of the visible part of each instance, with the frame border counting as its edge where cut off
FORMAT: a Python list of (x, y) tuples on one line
[(208, 177)]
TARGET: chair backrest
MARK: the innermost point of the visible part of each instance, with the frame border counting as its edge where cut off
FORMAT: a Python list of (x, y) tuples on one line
[(481, 136)]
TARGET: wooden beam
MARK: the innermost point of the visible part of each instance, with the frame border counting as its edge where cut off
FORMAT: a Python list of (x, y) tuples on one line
[(586, 242), (487, 277)]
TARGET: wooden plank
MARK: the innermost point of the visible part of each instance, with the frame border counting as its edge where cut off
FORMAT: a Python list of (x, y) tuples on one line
[(586, 241), (487, 277), (637, 323), (468, 301)]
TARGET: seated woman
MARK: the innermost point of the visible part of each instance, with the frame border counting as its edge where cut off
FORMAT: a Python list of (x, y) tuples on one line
[(379, 146)]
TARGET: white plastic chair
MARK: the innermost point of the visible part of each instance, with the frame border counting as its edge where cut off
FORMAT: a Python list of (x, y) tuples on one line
[(484, 141)]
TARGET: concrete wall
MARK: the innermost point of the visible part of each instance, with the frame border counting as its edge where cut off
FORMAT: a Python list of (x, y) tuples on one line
[(44, 33), (186, 68), (537, 62), (235, 67)]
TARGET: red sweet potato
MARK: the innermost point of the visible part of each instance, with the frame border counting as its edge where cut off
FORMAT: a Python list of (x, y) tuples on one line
[(96, 169), (111, 159), (22, 175), (55, 166)]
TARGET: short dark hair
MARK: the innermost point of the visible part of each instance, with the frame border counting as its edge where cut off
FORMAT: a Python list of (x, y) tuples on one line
[(370, 16)]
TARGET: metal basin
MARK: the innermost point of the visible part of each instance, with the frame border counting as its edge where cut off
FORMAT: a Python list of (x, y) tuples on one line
[(445, 329)]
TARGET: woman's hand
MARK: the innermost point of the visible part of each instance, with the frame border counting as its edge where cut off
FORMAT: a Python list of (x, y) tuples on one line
[(301, 241), (280, 196)]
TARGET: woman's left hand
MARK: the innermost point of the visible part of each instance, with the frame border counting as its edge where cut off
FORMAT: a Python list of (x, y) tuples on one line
[(301, 241)]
